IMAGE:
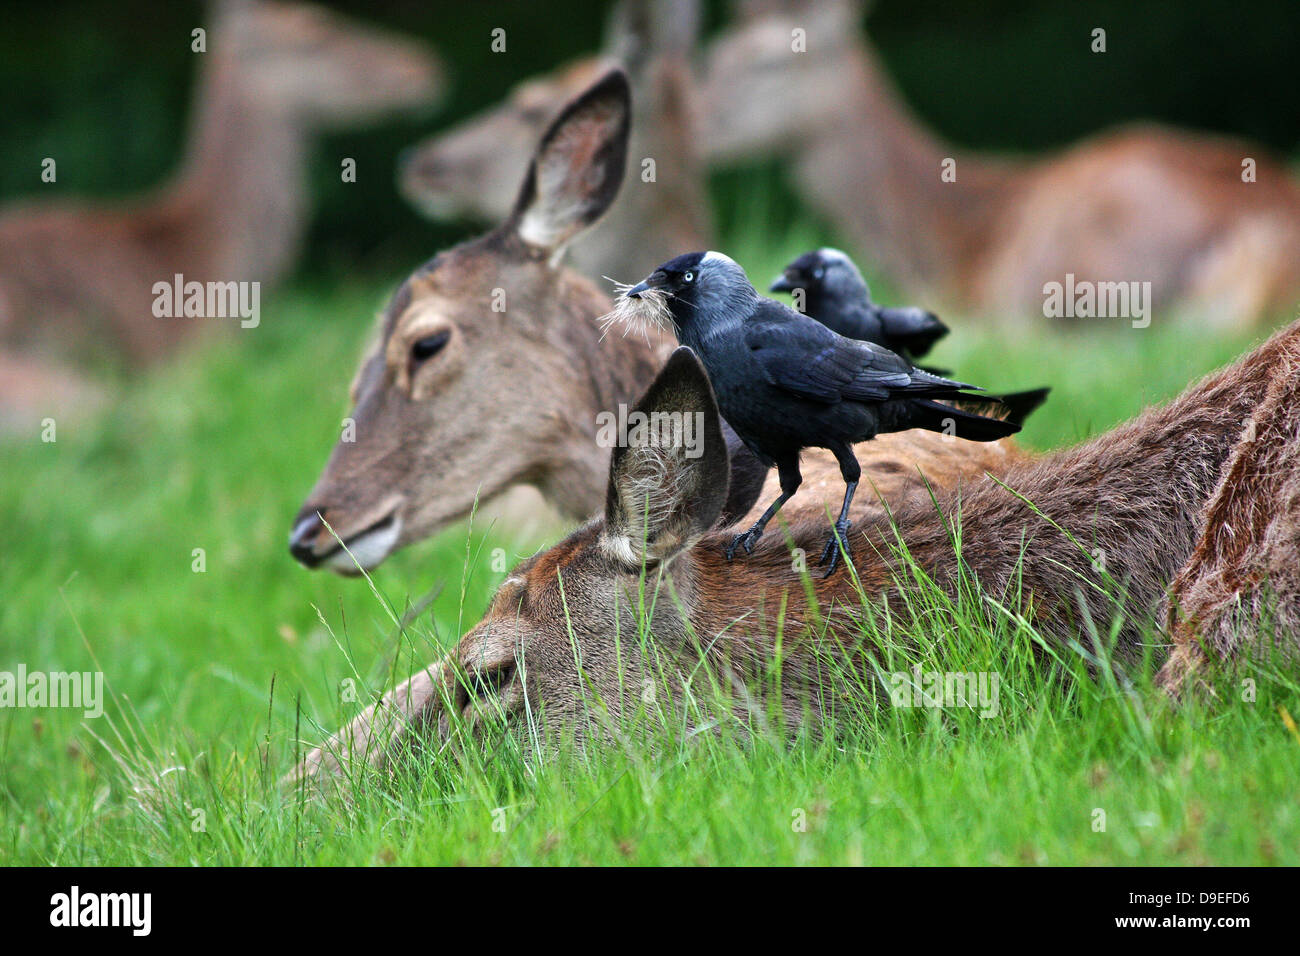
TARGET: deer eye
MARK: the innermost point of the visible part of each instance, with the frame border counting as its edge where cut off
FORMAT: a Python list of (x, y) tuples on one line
[(429, 346)]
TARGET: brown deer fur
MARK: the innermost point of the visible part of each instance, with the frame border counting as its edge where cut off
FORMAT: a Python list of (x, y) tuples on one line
[(77, 278), (513, 397), (1137, 493), (1140, 203), (471, 169), (1241, 585)]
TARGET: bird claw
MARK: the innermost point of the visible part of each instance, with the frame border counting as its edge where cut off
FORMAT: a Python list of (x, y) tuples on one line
[(746, 540), (831, 553)]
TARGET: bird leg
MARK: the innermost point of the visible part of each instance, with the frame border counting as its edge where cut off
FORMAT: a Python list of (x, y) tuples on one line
[(790, 479), (852, 472), (838, 536)]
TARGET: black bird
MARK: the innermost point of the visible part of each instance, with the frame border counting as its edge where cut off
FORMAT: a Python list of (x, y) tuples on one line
[(836, 295), (786, 382)]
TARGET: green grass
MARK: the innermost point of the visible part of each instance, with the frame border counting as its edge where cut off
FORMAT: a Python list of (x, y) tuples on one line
[(217, 453)]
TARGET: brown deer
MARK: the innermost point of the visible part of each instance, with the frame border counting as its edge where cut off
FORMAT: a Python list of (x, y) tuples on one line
[(1240, 590), (1136, 204), (77, 279), (1141, 203), (1090, 535), (491, 371), (471, 169)]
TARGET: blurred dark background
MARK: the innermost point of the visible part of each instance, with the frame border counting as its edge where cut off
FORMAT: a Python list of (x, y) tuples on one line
[(105, 89)]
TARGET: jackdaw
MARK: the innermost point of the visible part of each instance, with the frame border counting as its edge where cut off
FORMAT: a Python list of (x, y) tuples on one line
[(786, 382), (836, 295)]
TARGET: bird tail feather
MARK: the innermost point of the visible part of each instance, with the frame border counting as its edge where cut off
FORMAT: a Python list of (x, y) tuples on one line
[(1012, 406), (950, 420)]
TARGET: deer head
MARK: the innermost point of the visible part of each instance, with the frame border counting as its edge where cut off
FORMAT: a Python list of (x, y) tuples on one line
[(488, 371), (548, 635), (660, 501), (318, 67), (469, 170), (781, 76)]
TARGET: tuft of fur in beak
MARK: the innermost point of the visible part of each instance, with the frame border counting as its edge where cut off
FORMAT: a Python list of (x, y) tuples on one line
[(649, 310)]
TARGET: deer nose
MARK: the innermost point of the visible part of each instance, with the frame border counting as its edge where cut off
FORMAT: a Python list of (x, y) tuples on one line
[(302, 539)]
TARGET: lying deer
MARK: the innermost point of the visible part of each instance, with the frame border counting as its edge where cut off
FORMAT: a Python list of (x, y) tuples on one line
[(1240, 590), (1141, 203), (1137, 204), (78, 278), (491, 372), (559, 638), (471, 169)]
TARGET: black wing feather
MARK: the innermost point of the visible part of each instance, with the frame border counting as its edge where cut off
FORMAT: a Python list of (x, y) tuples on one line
[(807, 359)]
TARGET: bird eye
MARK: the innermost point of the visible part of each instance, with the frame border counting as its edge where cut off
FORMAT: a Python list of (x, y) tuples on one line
[(818, 272), (689, 277), (429, 346)]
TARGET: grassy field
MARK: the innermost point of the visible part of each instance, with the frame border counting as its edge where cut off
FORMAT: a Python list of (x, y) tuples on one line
[(208, 669)]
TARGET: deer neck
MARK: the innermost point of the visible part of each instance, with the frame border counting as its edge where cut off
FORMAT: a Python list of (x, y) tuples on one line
[(603, 372), (238, 204), (903, 213)]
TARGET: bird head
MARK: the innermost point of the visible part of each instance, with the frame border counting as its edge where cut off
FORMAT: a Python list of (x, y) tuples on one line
[(823, 272), (696, 287)]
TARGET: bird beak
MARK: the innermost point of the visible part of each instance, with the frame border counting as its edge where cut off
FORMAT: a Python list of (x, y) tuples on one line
[(654, 280), (781, 284)]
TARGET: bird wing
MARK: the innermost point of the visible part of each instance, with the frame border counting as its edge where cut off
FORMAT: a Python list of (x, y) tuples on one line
[(911, 328), (853, 320), (803, 357)]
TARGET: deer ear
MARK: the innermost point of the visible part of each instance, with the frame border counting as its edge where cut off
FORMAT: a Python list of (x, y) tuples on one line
[(668, 477), (578, 167)]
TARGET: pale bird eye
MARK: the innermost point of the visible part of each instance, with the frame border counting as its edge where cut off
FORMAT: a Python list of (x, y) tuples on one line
[(689, 277)]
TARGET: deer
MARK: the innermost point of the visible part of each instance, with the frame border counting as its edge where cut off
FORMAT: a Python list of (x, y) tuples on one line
[(469, 171), (1211, 222), (1239, 592), (77, 278), (490, 372), (558, 638)]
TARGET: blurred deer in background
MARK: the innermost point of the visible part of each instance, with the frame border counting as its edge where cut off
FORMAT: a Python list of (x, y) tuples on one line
[(471, 169), (1140, 203), (77, 279), (1136, 204), (491, 371), (559, 641)]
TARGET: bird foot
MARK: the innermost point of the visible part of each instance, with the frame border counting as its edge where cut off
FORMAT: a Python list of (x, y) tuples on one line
[(831, 553), (745, 540)]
